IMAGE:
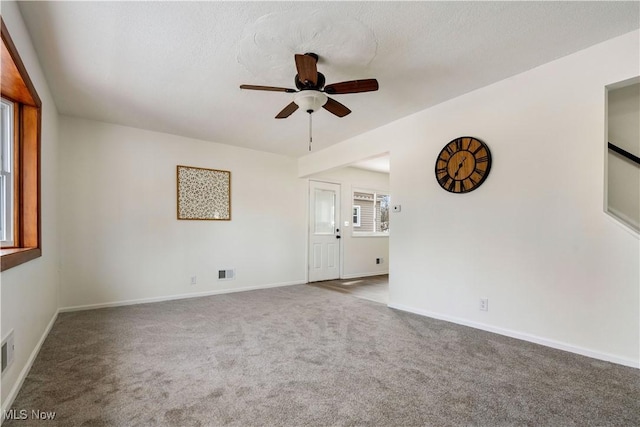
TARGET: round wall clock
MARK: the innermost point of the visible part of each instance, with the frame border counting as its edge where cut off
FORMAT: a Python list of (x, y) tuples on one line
[(463, 165)]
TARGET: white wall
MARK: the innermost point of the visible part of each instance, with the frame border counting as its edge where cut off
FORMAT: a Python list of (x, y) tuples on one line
[(121, 238), (533, 238), (359, 253), (29, 292), (623, 184)]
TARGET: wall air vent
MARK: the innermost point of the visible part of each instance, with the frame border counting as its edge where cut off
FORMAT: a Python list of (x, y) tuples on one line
[(226, 274)]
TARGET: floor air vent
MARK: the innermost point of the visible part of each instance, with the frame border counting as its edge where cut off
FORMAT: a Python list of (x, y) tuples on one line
[(226, 274), (7, 351)]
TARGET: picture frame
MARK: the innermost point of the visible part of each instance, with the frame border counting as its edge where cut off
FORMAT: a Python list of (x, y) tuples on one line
[(203, 194)]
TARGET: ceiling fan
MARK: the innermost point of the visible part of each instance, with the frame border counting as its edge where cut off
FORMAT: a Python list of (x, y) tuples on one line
[(311, 92)]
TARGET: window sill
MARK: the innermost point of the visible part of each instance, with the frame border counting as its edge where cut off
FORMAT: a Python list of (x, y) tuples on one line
[(12, 257), (366, 234)]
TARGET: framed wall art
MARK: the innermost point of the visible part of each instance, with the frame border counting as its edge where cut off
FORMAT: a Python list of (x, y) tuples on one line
[(204, 194)]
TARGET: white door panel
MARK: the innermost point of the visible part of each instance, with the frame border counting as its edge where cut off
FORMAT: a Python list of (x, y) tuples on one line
[(324, 234)]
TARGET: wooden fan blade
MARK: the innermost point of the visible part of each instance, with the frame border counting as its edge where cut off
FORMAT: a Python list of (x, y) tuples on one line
[(269, 88), (336, 108), (287, 111), (307, 70), (353, 86)]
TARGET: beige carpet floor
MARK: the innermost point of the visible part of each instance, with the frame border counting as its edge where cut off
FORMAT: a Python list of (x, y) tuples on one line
[(306, 356)]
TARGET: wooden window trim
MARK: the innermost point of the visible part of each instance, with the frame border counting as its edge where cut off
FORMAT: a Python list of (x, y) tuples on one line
[(18, 87)]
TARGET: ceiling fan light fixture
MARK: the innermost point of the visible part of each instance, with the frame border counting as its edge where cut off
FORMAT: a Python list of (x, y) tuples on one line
[(310, 100)]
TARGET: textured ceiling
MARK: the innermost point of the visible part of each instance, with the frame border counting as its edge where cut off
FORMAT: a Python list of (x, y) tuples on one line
[(175, 67)]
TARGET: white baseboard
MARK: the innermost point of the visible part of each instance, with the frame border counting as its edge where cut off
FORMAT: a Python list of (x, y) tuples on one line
[(523, 336), (6, 405), (175, 297), (357, 275), (625, 221)]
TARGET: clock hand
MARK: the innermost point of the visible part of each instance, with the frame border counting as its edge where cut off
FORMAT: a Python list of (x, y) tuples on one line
[(459, 167)]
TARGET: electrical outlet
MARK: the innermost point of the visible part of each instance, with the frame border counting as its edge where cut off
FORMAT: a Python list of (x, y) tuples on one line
[(484, 304), (194, 280), (378, 260)]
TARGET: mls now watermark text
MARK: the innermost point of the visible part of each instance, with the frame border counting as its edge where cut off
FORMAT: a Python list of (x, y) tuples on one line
[(25, 414)]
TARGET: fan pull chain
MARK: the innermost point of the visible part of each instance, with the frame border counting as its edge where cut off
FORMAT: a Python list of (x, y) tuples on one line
[(310, 132)]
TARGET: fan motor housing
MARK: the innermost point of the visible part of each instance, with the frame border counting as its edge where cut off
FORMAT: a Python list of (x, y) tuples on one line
[(301, 86)]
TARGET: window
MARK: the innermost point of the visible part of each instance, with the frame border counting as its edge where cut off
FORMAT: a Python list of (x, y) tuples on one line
[(6, 173), (20, 169), (356, 216), (370, 213)]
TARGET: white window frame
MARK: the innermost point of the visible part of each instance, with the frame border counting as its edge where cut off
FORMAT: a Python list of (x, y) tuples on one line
[(6, 174), (355, 217), (372, 233)]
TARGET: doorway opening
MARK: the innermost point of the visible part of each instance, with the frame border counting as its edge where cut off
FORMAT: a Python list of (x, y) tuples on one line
[(361, 232)]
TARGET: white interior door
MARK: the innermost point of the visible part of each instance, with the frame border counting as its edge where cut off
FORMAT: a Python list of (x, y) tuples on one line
[(324, 232)]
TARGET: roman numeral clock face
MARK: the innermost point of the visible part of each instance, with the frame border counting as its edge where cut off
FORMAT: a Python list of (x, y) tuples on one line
[(463, 165)]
